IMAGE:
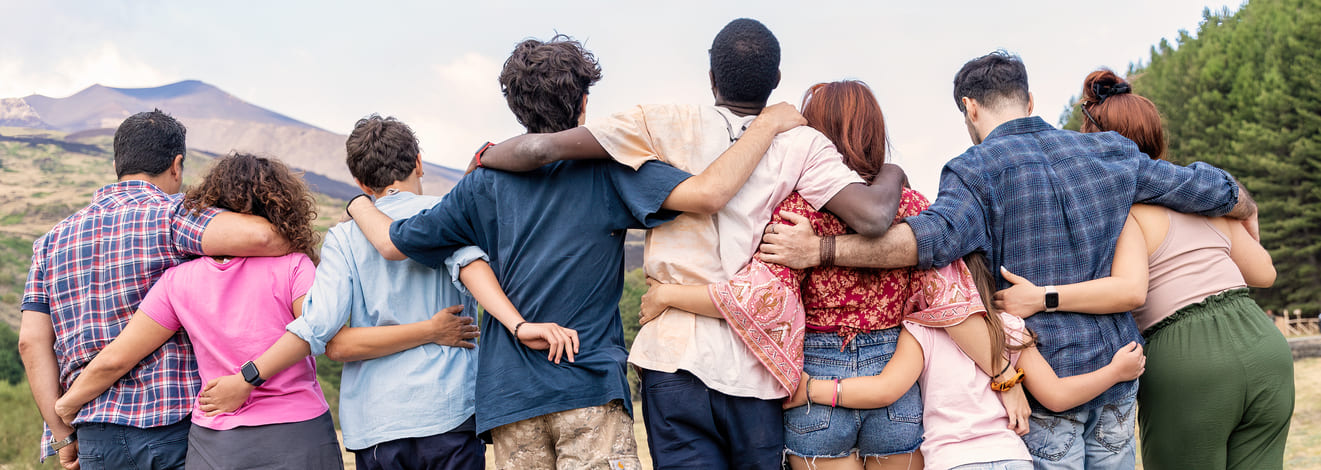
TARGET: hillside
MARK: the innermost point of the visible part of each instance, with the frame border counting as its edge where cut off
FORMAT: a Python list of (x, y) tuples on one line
[(47, 175), (217, 122)]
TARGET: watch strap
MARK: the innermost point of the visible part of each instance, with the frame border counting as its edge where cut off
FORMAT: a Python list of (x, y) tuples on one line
[(62, 443), (251, 375)]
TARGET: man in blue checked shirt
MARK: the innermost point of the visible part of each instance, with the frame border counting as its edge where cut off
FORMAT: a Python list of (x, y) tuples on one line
[(1047, 204)]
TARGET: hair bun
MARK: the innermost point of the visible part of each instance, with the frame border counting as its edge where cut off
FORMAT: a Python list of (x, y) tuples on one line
[(1103, 84)]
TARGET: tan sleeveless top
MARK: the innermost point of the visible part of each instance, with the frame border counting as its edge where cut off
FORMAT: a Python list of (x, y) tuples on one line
[(1191, 264)]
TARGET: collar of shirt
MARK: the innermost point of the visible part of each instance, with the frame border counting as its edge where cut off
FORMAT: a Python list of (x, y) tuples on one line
[(124, 187), (1024, 125)]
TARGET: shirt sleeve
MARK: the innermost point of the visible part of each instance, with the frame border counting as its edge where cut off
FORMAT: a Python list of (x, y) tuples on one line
[(431, 236), (642, 192), (824, 173), (186, 227), (156, 304), (1194, 189), (461, 258), (330, 298), (303, 274), (35, 296), (626, 137), (953, 226)]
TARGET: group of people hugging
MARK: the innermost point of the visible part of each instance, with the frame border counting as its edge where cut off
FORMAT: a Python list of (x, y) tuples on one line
[(806, 308)]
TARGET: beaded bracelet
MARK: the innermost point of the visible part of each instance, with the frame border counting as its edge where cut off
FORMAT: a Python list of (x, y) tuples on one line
[(516, 327)]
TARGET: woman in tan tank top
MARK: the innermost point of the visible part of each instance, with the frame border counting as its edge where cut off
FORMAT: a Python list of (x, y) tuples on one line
[(1218, 391)]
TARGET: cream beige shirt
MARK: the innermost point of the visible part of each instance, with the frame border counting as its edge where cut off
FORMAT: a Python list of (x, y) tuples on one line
[(699, 249)]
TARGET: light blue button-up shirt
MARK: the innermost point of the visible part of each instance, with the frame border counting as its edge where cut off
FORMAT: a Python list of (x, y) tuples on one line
[(419, 392)]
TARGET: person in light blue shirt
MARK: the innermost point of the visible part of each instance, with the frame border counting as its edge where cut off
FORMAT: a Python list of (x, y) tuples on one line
[(406, 395)]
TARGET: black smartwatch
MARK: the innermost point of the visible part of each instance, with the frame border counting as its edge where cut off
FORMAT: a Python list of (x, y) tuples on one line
[(251, 375), (1052, 299)]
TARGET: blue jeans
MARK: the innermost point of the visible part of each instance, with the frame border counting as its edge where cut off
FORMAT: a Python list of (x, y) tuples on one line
[(103, 445), (997, 465), (458, 449), (825, 431), (692, 426), (1100, 437)]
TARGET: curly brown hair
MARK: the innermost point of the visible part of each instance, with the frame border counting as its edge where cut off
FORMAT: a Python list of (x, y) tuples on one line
[(263, 187), (544, 82)]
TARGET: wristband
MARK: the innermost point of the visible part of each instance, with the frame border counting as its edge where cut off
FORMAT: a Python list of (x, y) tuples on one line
[(478, 156), (516, 327), (1008, 384), (834, 401), (350, 203), (62, 443), (828, 250)]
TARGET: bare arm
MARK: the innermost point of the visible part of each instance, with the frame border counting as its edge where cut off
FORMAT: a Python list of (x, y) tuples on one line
[(1245, 208), (531, 151), (140, 337), (445, 328), (870, 209), (235, 234), (482, 283), (659, 297), (1124, 290), (375, 225), (1253, 261), (798, 247), (1062, 394), (866, 392), (36, 345), (709, 191)]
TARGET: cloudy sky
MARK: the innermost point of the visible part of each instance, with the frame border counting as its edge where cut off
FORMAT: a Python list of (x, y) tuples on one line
[(434, 64)]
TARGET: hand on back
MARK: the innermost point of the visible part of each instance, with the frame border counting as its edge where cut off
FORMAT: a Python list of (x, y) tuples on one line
[(1023, 299), (1129, 363), (558, 341), (780, 117), (450, 329)]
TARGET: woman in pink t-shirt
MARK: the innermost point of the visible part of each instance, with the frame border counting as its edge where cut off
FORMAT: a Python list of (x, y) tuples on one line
[(233, 309)]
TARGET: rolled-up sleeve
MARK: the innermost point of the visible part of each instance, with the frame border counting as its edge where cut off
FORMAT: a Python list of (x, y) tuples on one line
[(330, 300), (1194, 189), (461, 258)]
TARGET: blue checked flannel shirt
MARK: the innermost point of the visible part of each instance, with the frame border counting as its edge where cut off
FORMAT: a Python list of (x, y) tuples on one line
[(1049, 205)]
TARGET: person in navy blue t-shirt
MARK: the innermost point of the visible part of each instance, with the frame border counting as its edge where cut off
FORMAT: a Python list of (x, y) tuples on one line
[(555, 237)]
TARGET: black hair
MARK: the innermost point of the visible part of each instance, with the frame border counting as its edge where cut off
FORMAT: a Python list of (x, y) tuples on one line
[(745, 61), (381, 151), (147, 142), (991, 78), (545, 82)]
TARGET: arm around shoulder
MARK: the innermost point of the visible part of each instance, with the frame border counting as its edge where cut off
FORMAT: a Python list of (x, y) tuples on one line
[(235, 234)]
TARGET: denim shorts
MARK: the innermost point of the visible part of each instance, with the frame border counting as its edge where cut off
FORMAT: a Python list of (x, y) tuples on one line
[(822, 431)]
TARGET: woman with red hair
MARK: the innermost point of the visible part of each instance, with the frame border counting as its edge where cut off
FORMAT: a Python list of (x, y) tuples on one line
[(1207, 342), (848, 323)]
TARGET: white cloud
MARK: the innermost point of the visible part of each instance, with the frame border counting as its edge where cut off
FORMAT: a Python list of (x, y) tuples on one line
[(103, 63)]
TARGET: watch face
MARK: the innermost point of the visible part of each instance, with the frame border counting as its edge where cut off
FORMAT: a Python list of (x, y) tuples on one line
[(1052, 299)]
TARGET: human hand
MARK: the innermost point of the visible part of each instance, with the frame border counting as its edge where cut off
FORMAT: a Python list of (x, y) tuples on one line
[(1253, 228), (450, 329), (1016, 407), (1128, 363), (1023, 299), (66, 410), (653, 302), (799, 397), (224, 394), (69, 456), (780, 117), (795, 246), (558, 340)]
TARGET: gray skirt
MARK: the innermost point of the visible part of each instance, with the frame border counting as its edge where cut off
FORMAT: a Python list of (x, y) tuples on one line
[(310, 444)]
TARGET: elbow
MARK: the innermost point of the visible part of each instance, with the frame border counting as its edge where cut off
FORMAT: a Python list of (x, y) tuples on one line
[(393, 254), (1263, 280), (711, 203), (1134, 299), (29, 347), (1053, 403), (336, 351), (871, 228)]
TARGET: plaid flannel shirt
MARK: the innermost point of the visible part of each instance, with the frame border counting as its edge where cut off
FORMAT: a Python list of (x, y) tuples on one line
[(90, 272), (1049, 205)]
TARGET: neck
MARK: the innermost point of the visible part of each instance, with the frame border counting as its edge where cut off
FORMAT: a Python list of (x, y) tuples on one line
[(412, 185), (741, 108)]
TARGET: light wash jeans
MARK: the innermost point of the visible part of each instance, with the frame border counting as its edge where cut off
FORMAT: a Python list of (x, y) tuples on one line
[(997, 465), (1096, 438)]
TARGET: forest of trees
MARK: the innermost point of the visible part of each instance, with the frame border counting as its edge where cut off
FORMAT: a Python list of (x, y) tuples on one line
[(1244, 94)]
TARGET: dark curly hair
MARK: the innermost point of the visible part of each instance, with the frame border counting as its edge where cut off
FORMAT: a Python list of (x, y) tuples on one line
[(147, 143), (545, 82), (745, 61), (264, 187), (381, 151), (991, 80)]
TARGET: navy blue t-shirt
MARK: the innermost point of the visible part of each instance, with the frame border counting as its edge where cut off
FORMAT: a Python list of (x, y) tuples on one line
[(555, 237)]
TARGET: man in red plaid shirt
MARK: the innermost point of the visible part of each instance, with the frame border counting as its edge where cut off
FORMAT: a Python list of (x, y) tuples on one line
[(88, 275)]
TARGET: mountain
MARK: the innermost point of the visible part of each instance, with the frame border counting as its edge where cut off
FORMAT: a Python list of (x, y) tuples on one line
[(217, 122)]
